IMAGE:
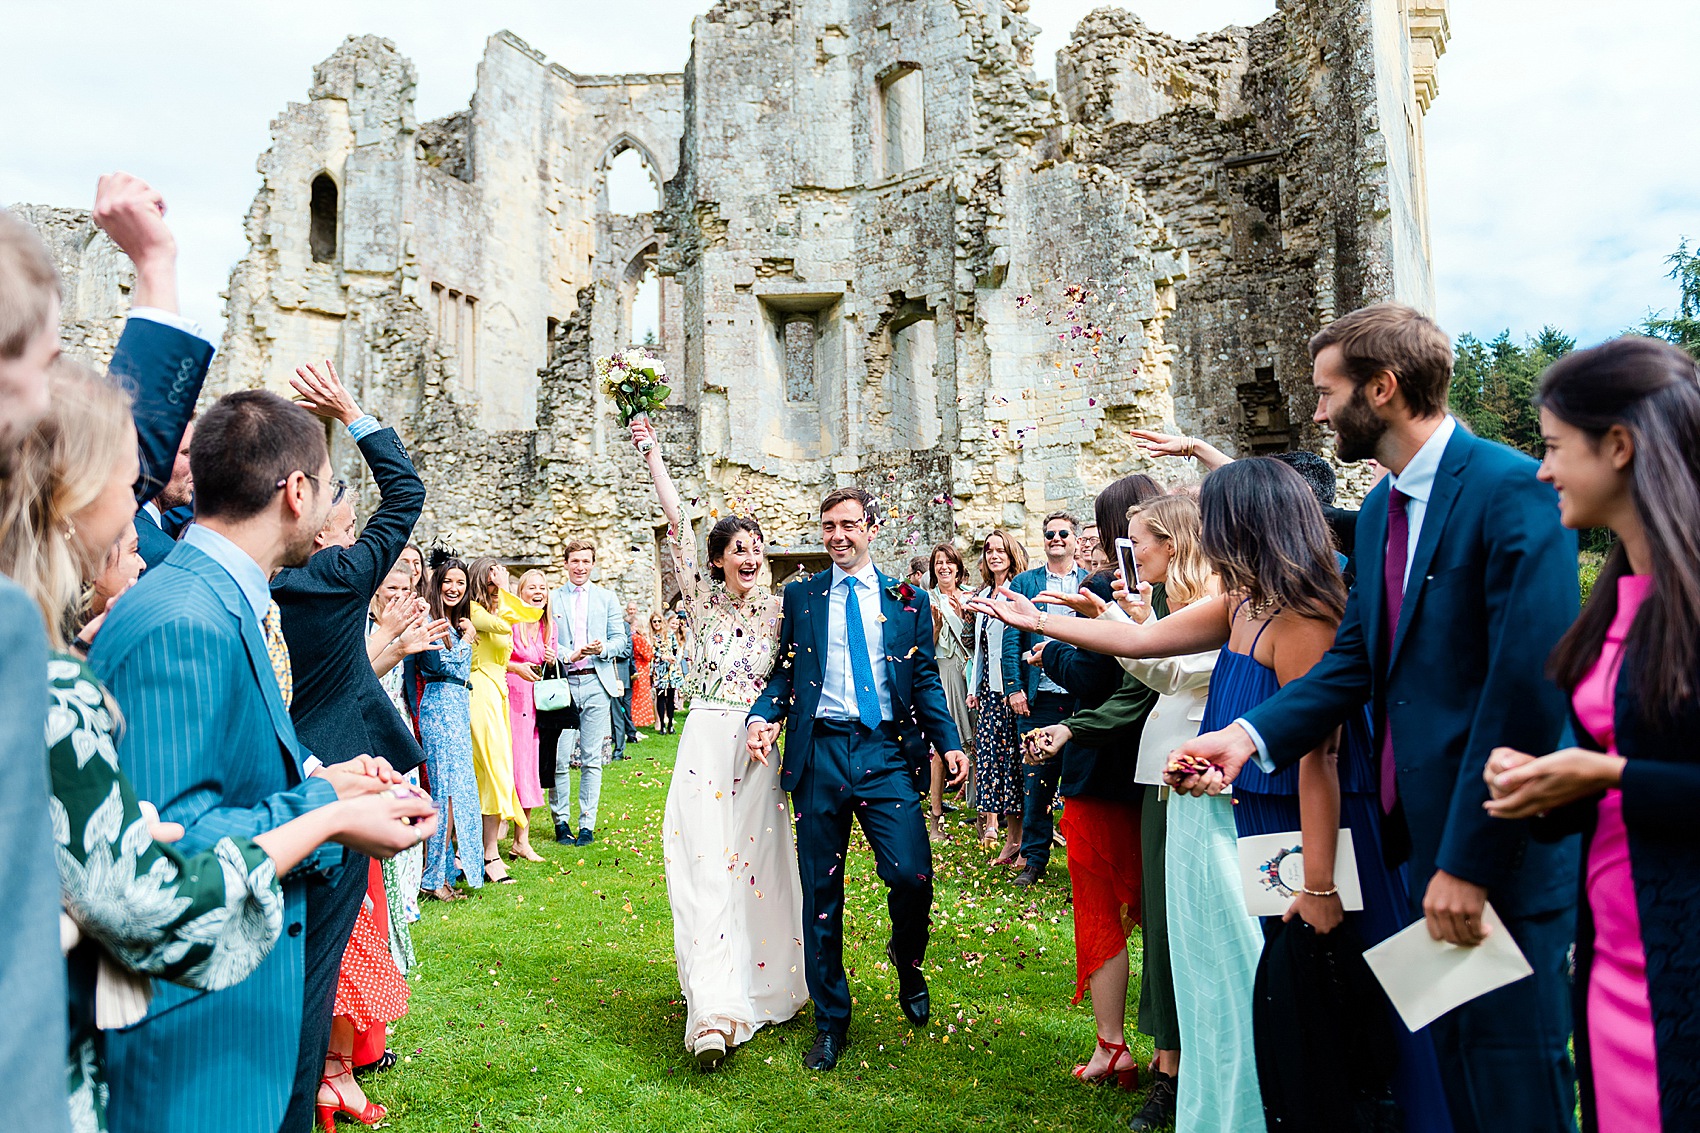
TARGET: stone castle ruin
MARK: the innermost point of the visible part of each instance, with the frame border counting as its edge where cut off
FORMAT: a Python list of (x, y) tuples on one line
[(881, 252)]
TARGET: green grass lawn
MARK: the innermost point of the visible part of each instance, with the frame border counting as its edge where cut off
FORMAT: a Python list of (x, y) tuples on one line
[(553, 1004)]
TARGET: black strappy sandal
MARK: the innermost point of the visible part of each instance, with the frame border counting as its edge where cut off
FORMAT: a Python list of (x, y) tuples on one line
[(378, 1067), (497, 860)]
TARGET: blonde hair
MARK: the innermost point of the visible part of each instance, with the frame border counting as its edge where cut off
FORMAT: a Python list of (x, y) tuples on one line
[(62, 466), (1175, 520), (528, 576), (1012, 547)]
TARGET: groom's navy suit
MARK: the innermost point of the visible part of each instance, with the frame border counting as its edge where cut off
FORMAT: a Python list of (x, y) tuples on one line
[(837, 768)]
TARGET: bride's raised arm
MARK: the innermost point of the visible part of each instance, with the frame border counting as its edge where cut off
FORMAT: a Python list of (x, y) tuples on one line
[(1202, 626), (642, 431)]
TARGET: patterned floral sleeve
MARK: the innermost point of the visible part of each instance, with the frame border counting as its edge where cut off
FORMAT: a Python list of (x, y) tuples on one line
[(203, 921)]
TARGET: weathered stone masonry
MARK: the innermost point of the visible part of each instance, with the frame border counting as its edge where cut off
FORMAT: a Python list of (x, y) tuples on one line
[(871, 209)]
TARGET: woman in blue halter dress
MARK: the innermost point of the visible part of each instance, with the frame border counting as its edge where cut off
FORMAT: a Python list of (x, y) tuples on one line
[(1269, 804)]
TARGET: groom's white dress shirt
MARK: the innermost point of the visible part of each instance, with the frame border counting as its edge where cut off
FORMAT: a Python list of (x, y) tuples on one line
[(838, 684)]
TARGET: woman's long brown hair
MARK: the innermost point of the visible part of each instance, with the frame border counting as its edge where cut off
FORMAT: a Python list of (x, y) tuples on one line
[(1652, 389), (1265, 535)]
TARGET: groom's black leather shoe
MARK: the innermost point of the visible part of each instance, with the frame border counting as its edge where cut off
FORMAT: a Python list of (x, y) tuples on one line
[(911, 991), (824, 1054)]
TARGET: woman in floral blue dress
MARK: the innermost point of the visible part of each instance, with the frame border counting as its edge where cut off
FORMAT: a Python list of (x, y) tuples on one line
[(445, 732)]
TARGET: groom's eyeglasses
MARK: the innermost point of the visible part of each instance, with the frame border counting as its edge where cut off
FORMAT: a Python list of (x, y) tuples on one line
[(1059, 533)]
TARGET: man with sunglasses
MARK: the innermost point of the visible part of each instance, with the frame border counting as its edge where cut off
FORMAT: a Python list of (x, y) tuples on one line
[(1037, 699), (340, 708)]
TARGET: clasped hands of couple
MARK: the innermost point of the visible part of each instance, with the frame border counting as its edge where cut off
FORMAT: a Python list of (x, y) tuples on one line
[(760, 736)]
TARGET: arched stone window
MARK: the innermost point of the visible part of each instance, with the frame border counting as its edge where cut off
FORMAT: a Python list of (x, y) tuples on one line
[(632, 187), (321, 231)]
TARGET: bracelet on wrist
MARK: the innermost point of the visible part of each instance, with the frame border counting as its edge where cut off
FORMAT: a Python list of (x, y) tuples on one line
[(1331, 891), (1039, 629)]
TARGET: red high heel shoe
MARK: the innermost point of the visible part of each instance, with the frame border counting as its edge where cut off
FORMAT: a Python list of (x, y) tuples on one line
[(1126, 1078), (371, 1115)]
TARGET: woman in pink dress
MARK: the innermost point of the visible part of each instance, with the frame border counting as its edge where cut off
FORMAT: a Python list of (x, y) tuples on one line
[(534, 646), (1622, 429)]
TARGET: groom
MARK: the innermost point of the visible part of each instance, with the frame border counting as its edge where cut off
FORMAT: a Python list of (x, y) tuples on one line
[(856, 667)]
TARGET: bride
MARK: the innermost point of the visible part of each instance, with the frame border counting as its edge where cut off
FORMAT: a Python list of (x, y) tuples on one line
[(730, 854)]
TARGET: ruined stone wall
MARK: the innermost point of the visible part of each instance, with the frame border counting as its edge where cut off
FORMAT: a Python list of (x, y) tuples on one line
[(888, 255), (925, 281), (95, 279), (1263, 150)]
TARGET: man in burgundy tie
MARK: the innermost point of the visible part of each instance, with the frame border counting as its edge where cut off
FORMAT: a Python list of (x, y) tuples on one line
[(1448, 641)]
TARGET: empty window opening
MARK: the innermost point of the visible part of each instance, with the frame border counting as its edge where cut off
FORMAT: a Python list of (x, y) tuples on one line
[(915, 386), (553, 337), (321, 231), (902, 122), (800, 334), (646, 310), (632, 186), (1265, 426)]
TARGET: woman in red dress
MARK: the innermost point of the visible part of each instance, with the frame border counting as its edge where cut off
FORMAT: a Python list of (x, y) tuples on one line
[(370, 993), (643, 692)]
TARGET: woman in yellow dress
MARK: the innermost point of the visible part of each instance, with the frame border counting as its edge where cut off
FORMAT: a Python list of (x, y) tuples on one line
[(495, 611)]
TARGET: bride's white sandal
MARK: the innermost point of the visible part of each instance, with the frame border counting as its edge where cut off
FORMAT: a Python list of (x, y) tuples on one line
[(710, 1050)]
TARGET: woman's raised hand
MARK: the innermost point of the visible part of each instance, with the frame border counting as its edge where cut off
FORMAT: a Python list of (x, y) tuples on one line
[(642, 431), (1008, 607), (1084, 602)]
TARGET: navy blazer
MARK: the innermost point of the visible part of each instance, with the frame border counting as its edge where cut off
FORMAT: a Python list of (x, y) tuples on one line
[(207, 739), (163, 368), (1492, 587), (793, 688), (151, 543), (340, 708), (1104, 770), (1018, 675)]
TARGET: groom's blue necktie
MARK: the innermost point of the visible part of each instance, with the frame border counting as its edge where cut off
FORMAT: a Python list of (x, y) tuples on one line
[(861, 669)]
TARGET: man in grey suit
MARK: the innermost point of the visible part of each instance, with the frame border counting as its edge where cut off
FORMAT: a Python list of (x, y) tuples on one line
[(593, 640), (32, 971)]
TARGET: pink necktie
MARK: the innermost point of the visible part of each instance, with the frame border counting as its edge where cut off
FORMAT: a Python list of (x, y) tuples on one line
[(1393, 597)]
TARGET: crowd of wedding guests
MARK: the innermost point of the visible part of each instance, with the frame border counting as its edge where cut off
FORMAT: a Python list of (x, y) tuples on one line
[(330, 726), (334, 725)]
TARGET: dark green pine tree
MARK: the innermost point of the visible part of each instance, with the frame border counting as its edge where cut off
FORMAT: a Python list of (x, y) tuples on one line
[(1682, 328)]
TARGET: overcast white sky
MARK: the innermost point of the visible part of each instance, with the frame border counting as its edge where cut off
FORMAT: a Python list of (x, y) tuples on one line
[(1563, 150)]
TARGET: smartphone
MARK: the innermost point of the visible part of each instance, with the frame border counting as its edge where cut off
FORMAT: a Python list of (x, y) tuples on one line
[(1130, 568)]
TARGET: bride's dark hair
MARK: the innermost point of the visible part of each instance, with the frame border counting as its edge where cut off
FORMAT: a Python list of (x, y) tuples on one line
[(720, 537)]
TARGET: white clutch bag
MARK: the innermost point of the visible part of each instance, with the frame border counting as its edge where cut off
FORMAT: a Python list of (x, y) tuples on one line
[(552, 693)]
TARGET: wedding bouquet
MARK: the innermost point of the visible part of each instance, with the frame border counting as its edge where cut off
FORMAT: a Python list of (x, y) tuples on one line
[(634, 381)]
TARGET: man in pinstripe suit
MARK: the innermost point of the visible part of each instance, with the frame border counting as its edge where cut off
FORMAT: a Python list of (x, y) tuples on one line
[(195, 655)]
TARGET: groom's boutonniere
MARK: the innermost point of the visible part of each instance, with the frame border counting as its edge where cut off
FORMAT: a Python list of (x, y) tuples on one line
[(904, 593)]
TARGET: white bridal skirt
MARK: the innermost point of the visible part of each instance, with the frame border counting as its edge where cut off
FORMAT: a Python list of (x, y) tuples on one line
[(732, 881)]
